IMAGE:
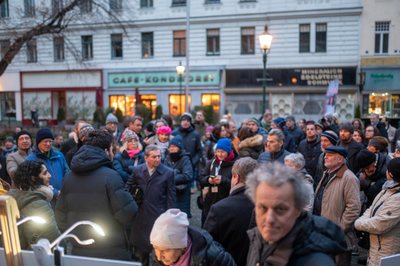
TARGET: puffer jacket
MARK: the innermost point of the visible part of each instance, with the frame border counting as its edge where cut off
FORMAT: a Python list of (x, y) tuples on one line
[(267, 157), (343, 190), (55, 164), (251, 147), (124, 165), (383, 226), (94, 191), (204, 252), (312, 241), (33, 203)]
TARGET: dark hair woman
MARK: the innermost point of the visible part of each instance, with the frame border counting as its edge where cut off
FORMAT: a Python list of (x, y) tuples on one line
[(33, 195)]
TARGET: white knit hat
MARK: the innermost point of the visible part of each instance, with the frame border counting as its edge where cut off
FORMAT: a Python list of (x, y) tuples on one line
[(170, 230)]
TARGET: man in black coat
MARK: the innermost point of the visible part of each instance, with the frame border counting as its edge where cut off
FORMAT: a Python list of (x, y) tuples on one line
[(157, 183), (352, 147), (310, 147), (229, 219), (94, 191)]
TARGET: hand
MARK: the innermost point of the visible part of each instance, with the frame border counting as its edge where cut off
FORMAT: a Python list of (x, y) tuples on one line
[(217, 180), (211, 180)]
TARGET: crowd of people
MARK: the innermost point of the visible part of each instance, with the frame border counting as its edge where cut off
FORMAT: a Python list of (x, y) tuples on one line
[(272, 191)]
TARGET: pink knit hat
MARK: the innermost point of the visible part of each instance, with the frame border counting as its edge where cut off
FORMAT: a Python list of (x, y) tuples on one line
[(164, 130)]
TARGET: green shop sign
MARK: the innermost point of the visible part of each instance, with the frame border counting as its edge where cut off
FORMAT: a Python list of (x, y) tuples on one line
[(161, 79), (382, 76)]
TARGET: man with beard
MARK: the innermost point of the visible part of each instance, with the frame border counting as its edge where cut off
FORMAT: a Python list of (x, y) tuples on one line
[(352, 147)]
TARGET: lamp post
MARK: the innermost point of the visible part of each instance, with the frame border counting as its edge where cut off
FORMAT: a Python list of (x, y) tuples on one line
[(265, 44), (180, 70)]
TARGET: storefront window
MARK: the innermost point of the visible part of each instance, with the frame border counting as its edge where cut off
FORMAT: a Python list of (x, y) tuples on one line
[(7, 106), (379, 103), (174, 102), (125, 103), (211, 99), (150, 101)]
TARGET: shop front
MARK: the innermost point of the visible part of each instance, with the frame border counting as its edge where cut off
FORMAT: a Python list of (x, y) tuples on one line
[(128, 89), (60, 95), (300, 92), (9, 98), (381, 92)]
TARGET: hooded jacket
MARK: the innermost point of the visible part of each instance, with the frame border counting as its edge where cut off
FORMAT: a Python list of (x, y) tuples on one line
[(312, 241), (251, 147), (94, 191), (33, 203)]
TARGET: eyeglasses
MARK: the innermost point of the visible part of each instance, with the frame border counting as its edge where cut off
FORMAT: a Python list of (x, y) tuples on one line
[(369, 130)]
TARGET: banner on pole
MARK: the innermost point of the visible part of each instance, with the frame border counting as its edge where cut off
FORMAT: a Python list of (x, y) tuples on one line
[(330, 98)]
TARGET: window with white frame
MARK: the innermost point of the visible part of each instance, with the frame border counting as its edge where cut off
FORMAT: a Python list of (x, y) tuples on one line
[(4, 10), (147, 44), (179, 43), (320, 37), (31, 51), (382, 37), (29, 8), (58, 47), (247, 40), (304, 38), (87, 47), (4, 44), (115, 5), (57, 5), (85, 6), (146, 3), (178, 2), (116, 46), (212, 41)]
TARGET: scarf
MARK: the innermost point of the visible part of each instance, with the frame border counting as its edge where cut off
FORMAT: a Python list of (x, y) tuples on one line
[(184, 260), (390, 184), (175, 156), (230, 157), (132, 153)]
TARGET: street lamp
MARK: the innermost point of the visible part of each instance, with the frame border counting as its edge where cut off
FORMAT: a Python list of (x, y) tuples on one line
[(265, 45), (180, 70)]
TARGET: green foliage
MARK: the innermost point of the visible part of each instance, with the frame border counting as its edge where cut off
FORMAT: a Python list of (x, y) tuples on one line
[(210, 116), (98, 116), (159, 111), (357, 111), (61, 114), (143, 111)]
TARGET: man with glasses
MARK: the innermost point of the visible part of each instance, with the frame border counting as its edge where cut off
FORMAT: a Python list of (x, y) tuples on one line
[(24, 143), (54, 160)]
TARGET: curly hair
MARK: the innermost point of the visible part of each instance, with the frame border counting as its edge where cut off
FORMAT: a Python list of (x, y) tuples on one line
[(27, 175), (100, 138)]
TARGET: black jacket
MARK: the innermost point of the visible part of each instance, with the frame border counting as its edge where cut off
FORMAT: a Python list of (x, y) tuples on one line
[(94, 191), (297, 135), (311, 151), (191, 143), (352, 148), (205, 251), (229, 228), (313, 241)]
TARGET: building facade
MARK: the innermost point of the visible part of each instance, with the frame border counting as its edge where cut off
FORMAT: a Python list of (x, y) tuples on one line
[(314, 41)]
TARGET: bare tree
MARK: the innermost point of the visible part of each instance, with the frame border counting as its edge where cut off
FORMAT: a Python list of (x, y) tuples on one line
[(50, 21)]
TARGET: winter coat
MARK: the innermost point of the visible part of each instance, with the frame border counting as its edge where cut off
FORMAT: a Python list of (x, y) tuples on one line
[(229, 228), (297, 134), (288, 142), (372, 185), (159, 196), (352, 148), (34, 203), (221, 191), (251, 147), (311, 151), (312, 241), (319, 169), (204, 252), (14, 159), (94, 191), (341, 201), (191, 143), (124, 165), (183, 176), (267, 157), (55, 164), (384, 226)]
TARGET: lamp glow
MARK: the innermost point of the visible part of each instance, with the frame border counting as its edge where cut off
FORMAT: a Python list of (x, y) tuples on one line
[(80, 242), (35, 219), (265, 40)]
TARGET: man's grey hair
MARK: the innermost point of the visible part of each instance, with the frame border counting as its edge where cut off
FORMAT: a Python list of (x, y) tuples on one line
[(297, 158), (243, 167), (275, 175), (151, 148), (132, 119), (276, 132)]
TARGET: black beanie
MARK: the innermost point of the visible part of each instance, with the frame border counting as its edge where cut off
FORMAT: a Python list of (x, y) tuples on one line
[(394, 168), (43, 133), (20, 133), (365, 158)]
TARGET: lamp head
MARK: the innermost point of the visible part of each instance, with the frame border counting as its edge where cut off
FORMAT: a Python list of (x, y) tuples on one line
[(265, 39), (180, 69)]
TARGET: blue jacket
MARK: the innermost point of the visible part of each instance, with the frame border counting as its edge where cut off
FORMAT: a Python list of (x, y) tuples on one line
[(158, 196), (124, 165), (56, 165)]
